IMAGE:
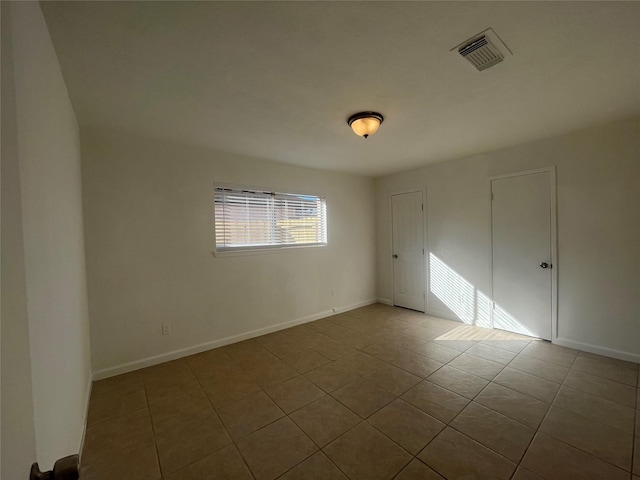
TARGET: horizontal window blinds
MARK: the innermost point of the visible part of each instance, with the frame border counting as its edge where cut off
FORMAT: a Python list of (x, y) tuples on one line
[(249, 219)]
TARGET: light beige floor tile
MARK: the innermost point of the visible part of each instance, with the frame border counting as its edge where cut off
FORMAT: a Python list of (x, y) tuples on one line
[(359, 363), (405, 359), (439, 324), (596, 408), (454, 342), (166, 369), (513, 346), (126, 432), (481, 367), (615, 361), (458, 381), (501, 434), (139, 463), (162, 408), (489, 352), (518, 406), (498, 334), (436, 401), (293, 394), (456, 456), (331, 349), (108, 402), (528, 384), (305, 361), (227, 390), (272, 373), (555, 460), (406, 425), (117, 383), (398, 339), (524, 474), (324, 420), (329, 377), (550, 353), (162, 385), (363, 397), (466, 333), (283, 347), (221, 371), (417, 470), (609, 370), (205, 360), (225, 464), (436, 351), (249, 353), (316, 467), (249, 414), (276, 448), (604, 442), (602, 387), (174, 412), (506, 340), (189, 442), (540, 368), (364, 453), (392, 379)]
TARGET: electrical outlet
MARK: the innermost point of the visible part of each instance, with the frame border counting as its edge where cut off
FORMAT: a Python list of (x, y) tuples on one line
[(332, 294), (166, 329)]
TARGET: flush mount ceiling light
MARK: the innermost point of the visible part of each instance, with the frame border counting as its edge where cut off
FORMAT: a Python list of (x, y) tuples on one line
[(365, 123)]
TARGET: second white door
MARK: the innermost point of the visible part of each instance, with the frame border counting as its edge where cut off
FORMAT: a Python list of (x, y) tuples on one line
[(522, 264), (408, 251)]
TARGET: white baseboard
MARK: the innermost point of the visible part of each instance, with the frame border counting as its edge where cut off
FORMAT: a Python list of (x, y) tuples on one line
[(183, 352), (607, 352), (386, 301), (353, 306)]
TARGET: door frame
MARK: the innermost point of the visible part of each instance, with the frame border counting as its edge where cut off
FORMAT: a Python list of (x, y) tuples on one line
[(422, 191), (551, 170)]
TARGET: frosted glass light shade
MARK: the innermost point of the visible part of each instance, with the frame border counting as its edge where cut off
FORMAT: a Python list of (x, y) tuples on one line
[(365, 123)]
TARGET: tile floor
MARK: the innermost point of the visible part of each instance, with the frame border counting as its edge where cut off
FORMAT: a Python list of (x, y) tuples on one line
[(375, 393)]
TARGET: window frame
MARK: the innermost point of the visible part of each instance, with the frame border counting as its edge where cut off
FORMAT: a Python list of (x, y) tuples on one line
[(265, 249)]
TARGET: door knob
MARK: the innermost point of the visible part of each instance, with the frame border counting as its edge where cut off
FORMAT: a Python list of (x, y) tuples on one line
[(544, 265), (395, 256)]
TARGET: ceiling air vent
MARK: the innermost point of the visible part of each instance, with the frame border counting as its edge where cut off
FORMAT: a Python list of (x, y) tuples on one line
[(482, 51)]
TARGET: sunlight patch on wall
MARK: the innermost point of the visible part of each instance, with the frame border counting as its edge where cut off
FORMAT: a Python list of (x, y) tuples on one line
[(470, 305), (453, 290)]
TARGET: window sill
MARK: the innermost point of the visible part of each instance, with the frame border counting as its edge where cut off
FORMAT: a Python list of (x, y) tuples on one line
[(263, 251)]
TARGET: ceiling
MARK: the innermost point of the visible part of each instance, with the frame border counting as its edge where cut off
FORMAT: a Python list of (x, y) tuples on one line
[(277, 81)]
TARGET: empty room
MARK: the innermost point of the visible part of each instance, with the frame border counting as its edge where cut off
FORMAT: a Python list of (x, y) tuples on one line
[(320, 240)]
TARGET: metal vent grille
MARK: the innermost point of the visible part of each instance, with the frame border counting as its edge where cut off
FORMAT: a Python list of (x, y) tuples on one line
[(481, 53)]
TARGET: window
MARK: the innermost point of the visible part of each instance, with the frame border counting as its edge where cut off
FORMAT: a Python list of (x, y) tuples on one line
[(254, 219)]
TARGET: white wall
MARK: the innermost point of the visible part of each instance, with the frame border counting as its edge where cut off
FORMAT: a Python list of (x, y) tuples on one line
[(598, 196), (44, 285), (18, 443), (149, 233)]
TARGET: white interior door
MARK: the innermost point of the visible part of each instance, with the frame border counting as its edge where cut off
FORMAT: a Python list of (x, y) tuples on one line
[(522, 235), (408, 251)]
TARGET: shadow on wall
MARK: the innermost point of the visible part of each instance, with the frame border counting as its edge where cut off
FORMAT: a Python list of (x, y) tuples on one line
[(470, 305)]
